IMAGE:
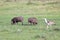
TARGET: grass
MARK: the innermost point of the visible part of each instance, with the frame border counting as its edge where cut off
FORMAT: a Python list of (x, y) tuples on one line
[(29, 32)]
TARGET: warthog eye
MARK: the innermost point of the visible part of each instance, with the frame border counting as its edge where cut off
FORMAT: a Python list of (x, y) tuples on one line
[(36, 23)]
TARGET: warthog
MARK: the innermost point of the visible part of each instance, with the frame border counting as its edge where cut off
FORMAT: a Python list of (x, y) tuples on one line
[(32, 20), (16, 20)]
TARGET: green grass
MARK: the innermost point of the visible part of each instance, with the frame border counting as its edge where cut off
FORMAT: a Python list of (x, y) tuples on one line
[(29, 32)]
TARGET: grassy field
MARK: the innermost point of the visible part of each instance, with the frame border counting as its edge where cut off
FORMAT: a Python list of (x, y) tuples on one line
[(9, 10)]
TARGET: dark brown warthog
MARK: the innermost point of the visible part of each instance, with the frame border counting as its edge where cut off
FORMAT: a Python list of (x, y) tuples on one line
[(32, 20), (17, 19)]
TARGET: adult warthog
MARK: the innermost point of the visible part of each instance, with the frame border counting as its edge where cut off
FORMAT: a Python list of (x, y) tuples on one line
[(15, 20)]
